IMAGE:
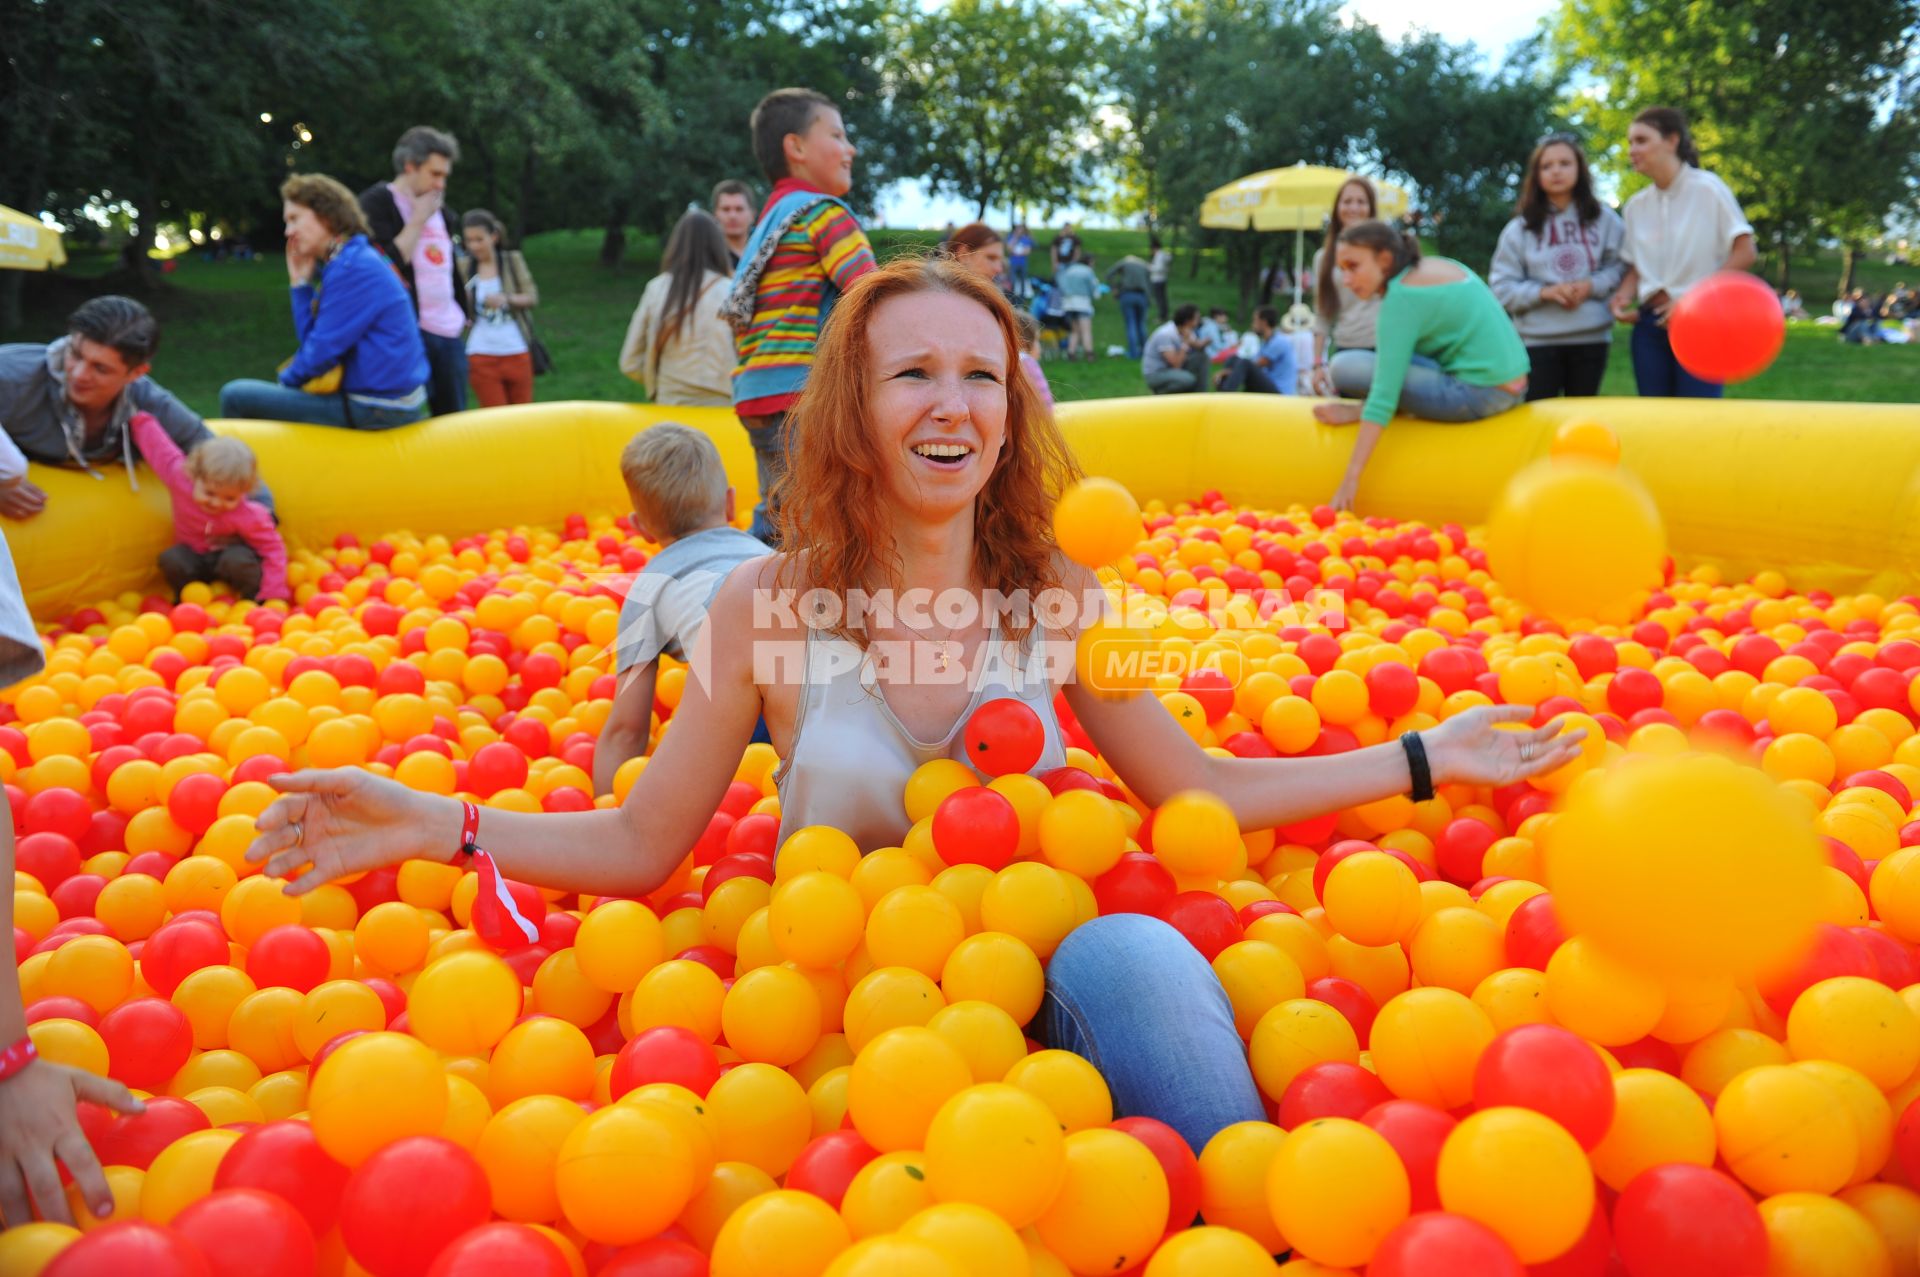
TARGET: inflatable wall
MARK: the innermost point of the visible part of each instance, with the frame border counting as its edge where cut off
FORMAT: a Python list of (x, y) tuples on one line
[(1827, 493)]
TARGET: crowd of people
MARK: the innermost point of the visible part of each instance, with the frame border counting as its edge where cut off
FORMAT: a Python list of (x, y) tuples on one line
[(1871, 319)]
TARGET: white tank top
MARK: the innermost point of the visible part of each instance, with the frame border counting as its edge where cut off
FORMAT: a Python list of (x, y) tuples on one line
[(850, 758)]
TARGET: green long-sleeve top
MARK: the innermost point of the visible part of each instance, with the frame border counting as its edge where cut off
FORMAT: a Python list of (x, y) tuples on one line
[(1461, 326)]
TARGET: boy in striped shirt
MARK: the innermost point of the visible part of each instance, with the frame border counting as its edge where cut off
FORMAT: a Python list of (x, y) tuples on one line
[(805, 250)]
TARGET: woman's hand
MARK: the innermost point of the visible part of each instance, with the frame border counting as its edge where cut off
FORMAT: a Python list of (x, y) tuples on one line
[(299, 264), (1343, 496), (1662, 305), (1621, 306), (344, 820), (1470, 748), (496, 301), (1322, 380), (1576, 292), (37, 1125)]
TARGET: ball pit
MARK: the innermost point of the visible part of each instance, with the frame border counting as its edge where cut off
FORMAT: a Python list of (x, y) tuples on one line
[(1655, 1012)]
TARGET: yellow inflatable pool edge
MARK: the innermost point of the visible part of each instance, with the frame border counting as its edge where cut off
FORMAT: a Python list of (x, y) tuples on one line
[(1828, 494)]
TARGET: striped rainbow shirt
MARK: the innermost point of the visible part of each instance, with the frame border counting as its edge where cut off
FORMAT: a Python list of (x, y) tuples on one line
[(824, 247)]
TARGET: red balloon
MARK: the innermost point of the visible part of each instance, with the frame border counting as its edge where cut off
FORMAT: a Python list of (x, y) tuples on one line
[(496, 767), (178, 949), (1350, 1000), (1137, 883), (828, 1164), (243, 1232), (1551, 1071), (1727, 328), (1534, 932), (406, 1204), (148, 1040), (284, 1158), (1416, 1132), (1208, 922), (290, 956), (136, 1140), (1176, 1159), (656, 1257), (1004, 736), (52, 858), (132, 1246), (665, 1053), (1436, 1244), (500, 1250), (194, 801), (976, 826), (1331, 1088), (1681, 1220)]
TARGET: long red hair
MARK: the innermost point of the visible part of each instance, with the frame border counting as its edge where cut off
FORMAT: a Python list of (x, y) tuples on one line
[(833, 499)]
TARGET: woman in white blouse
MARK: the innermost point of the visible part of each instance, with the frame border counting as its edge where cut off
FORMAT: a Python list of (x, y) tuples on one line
[(678, 346), (1681, 230)]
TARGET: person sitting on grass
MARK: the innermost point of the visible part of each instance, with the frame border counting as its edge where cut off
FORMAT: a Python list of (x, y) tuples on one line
[(1272, 371), (931, 472), (1446, 349), (1175, 359), (68, 403), (360, 363), (219, 534), (682, 500)]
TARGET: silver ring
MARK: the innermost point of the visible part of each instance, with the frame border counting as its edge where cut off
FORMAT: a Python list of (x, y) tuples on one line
[(299, 832), (1526, 752)]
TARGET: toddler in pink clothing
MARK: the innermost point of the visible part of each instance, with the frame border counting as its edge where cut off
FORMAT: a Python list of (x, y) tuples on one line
[(223, 535)]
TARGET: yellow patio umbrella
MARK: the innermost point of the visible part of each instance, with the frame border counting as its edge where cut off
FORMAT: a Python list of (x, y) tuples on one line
[(27, 243), (1289, 199)]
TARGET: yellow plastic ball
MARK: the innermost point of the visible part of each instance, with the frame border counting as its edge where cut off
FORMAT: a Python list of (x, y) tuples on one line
[(1295, 1034), (1096, 521), (1783, 1130), (624, 1173), (997, 1147), (1521, 1175), (464, 1003), (994, 967), (772, 1014), (1196, 836), (1860, 1023), (373, 1090), (1426, 1044), (1111, 1208), (1233, 1181), (1336, 1188), (1576, 540), (1657, 1118), (816, 918), (1372, 899), (1810, 1235), (899, 1081), (762, 1116), (1067, 1084)]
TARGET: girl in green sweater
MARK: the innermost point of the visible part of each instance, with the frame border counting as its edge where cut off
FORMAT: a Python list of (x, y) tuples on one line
[(1446, 350)]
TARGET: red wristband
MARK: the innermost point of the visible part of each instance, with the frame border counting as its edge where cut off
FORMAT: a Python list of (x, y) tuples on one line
[(17, 1057), (469, 829)]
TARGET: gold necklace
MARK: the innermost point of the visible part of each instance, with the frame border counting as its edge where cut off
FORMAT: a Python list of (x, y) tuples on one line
[(942, 647)]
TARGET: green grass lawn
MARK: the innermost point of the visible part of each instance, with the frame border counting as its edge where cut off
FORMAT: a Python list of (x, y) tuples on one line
[(222, 320)]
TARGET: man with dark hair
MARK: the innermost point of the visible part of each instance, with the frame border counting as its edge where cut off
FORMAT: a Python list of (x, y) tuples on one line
[(412, 225), (1274, 368), (805, 250), (1174, 362), (733, 208), (68, 403)]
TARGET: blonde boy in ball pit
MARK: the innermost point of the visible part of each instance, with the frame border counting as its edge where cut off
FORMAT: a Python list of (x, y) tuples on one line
[(930, 466), (681, 499), (38, 1125)]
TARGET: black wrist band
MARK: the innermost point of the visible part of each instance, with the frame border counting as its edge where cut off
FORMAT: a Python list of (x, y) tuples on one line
[(1417, 764)]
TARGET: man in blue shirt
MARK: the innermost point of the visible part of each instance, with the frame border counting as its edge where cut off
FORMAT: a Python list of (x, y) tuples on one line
[(1273, 370), (1019, 250)]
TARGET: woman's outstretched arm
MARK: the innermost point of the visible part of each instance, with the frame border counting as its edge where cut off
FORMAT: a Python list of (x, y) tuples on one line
[(340, 821)]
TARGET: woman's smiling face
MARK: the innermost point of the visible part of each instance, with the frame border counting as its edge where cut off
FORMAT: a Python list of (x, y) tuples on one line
[(937, 398)]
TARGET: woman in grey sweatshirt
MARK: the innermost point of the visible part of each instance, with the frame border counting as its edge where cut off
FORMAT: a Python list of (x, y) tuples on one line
[(1557, 262)]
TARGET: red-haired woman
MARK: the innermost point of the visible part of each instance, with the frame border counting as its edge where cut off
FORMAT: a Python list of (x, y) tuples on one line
[(931, 473)]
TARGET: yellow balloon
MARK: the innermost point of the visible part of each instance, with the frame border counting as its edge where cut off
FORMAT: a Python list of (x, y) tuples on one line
[(1690, 866), (1576, 540)]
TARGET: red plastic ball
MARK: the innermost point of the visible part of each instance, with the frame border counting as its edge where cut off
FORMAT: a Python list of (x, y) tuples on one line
[(128, 1247), (1138, 883), (495, 767), (57, 811), (285, 1159), (1350, 1000), (289, 956), (137, 1139), (754, 835), (1836, 952), (828, 1164), (1727, 328), (1005, 736), (976, 826), (665, 1053), (1681, 1220), (179, 948), (243, 1232), (1176, 1160), (1534, 932), (1436, 1244), (52, 858), (656, 1257), (1462, 850), (1331, 1088), (1392, 689), (1551, 1071), (1208, 922), (1416, 1132), (194, 801), (500, 1249), (407, 1203), (1213, 689), (148, 1040)]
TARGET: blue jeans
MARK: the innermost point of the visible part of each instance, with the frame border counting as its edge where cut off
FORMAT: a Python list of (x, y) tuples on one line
[(1429, 391), (1017, 273), (1133, 310), (769, 439), (446, 373), (1656, 373), (252, 399), (1131, 996)]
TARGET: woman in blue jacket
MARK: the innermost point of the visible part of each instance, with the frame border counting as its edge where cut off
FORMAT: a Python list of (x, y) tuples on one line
[(360, 363)]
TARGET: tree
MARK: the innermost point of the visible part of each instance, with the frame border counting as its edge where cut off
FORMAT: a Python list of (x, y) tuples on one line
[(1793, 103), (1004, 92)]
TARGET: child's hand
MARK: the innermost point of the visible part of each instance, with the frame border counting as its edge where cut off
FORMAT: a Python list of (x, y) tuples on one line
[(37, 1125)]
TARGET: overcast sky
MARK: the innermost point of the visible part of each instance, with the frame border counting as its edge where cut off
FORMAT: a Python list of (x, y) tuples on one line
[(1493, 25)]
